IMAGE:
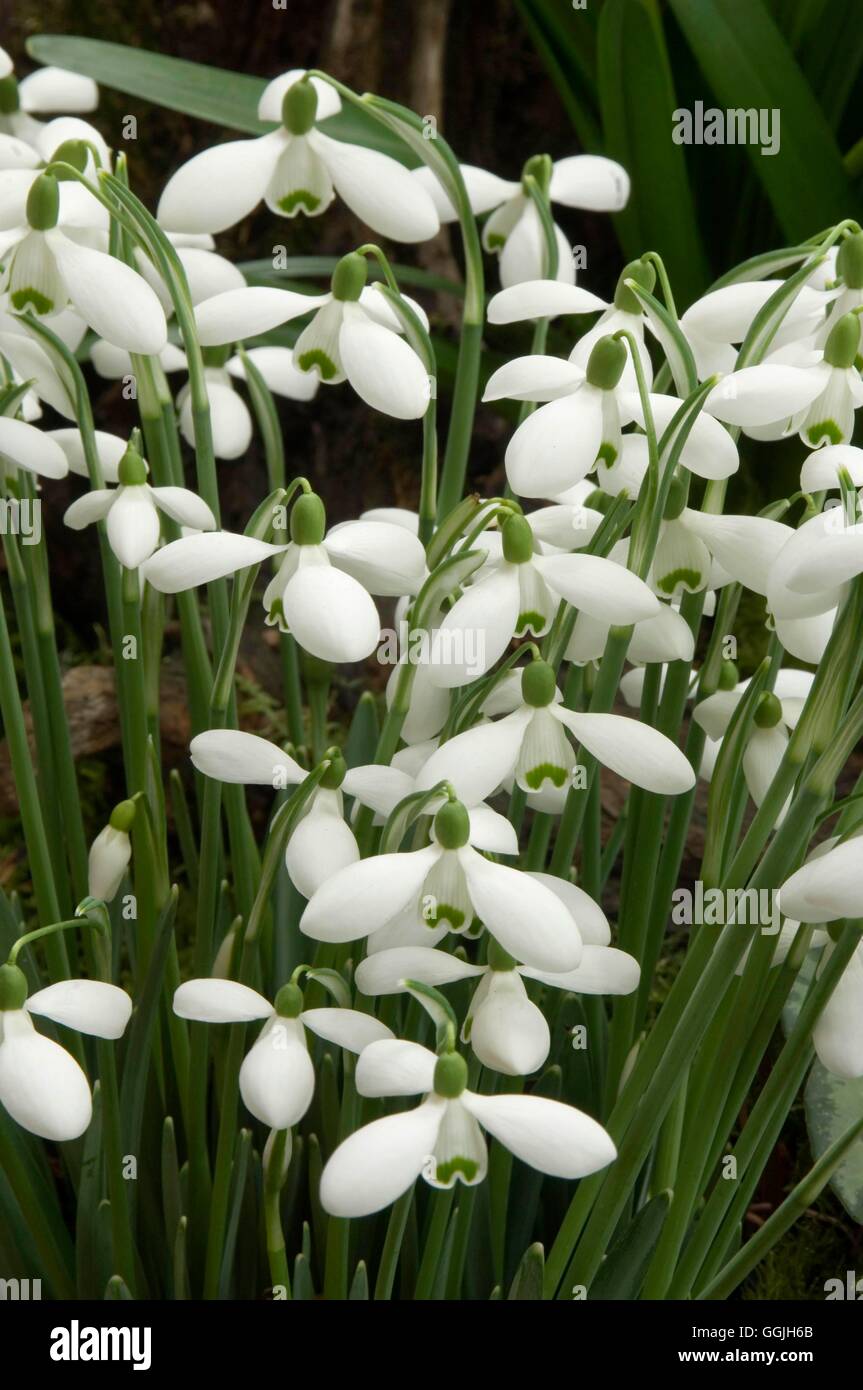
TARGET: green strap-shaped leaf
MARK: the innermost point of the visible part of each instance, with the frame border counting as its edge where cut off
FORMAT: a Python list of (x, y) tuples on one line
[(637, 102), (621, 1274), (224, 98), (527, 1283), (748, 65)]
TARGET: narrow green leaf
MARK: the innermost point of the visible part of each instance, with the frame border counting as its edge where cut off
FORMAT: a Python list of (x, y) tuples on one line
[(622, 1272), (527, 1283)]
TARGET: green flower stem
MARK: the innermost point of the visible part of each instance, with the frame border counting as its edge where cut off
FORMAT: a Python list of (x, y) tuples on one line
[(796, 1204), (396, 1226), (273, 1183), (121, 1228), (267, 417), (440, 1206)]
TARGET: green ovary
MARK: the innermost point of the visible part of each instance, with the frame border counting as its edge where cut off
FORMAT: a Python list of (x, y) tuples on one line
[(319, 359)]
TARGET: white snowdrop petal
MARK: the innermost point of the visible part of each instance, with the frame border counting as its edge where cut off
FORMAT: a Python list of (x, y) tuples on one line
[(90, 1006), (330, 614), (113, 299), (555, 446), (379, 787), (387, 560), (41, 1086), (763, 395), (276, 366), (133, 525), (633, 750), (277, 1078), (385, 971), (220, 186), (270, 104), (378, 189), (826, 888), (592, 923), (838, 1032), (29, 448), (346, 1028), (395, 1068), (535, 378), (321, 845), (477, 629), (540, 299), (820, 471), (383, 369), (598, 586), (492, 832), (745, 546), (184, 507), (508, 1032), (477, 761), (528, 920), (363, 897), (56, 89), (589, 181), (376, 1164), (219, 1001), (109, 447), (244, 313), (549, 1136), (603, 970), (761, 759), (231, 755), (194, 560), (110, 854), (93, 506)]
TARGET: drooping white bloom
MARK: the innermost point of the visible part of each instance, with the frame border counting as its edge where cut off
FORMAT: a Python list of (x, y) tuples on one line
[(48, 268), (131, 511), (46, 91), (514, 229), (321, 592), (531, 743), (296, 169), (111, 854), (697, 550), (804, 620), (718, 322), (441, 1140), (521, 592), (42, 1087), (449, 883), (354, 336), (664, 636), (277, 1078)]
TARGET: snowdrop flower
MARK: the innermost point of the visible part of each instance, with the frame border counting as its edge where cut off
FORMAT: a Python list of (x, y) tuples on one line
[(504, 1027), (111, 854), (849, 294), (131, 511), (822, 558), (776, 711), (441, 1140), (816, 400), (277, 1078), (23, 446), (230, 419), (514, 229), (665, 636), (322, 842), (321, 592), (42, 1087), (804, 620), (47, 269), (522, 592), (354, 336), (46, 90), (449, 882), (295, 169), (697, 550), (715, 324), (532, 744)]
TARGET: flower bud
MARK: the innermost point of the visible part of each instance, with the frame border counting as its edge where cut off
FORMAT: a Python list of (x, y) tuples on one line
[(450, 1075), (644, 274), (300, 107), (335, 773), (289, 1001), (13, 988), (538, 684), (74, 152), (517, 540), (308, 520), (110, 854), (452, 826), (606, 363), (768, 711), (728, 675), (132, 470), (43, 203), (349, 278), (538, 167), (676, 500), (843, 342)]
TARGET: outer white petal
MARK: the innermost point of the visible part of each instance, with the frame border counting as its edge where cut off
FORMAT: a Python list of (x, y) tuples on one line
[(381, 788), (809, 542), (761, 759), (57, 89), (133, 525), (589, 181), (230, 421), (32, 363), (387, 560), (270, 104), (395, 1068), (526, 918), (185, 507), (382, 368), (477, 630), (41, 1085), (90, 1006), (633, 750), (745, 546), (492, 832), (709, 450), (385, 971), (603, 970), (588, 916), (837, 559), (556, 446), (219, 1001), (31, 449), (345, 1027), (477, 761), (540, 299), (549, 1136), (330, 614), (377, 1164), (321, 845), (276, 365), (826, 888), (378, 189), (363, 897), (277, 1078), (109, 447), (838, 1033), (806, 638), (93, 506), (820, 471), (238, 314), (605, 590), (667, 637), (763, 395), (200, 559), (233, 756), (508, 1032), (534, 378), (117, 303), (714, 714), (220, 186), (108, 861)]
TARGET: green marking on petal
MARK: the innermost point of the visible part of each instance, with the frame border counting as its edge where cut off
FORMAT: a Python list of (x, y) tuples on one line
[(607, 455), (545, 772), (495, 242), (466, 1168), (444, 912), (689, 578), (299, 198), (825, 429), (537, 622), (316, 357), (40, 302)]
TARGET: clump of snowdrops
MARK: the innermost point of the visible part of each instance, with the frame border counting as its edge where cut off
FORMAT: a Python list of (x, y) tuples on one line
[(405, 1052)]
